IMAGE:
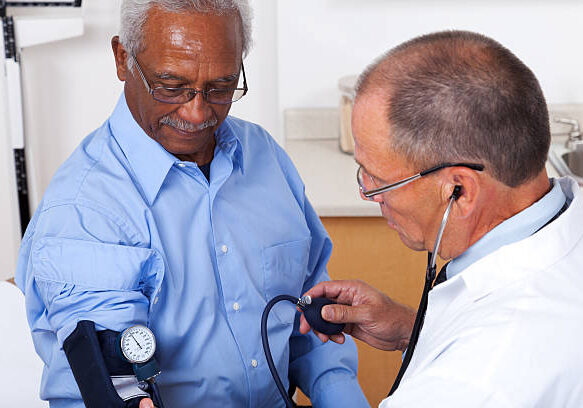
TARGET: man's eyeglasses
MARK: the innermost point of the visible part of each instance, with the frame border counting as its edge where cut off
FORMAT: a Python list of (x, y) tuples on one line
[(369, 194), (220, 96)]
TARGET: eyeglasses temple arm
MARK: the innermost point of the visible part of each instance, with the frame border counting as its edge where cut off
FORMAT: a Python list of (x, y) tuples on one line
[(371, 193), (473, 166)]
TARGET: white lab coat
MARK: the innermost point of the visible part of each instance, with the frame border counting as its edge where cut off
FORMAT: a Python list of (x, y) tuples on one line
[(508, 330)]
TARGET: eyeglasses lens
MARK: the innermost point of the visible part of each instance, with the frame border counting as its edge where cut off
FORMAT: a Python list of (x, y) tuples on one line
[(182, 95)]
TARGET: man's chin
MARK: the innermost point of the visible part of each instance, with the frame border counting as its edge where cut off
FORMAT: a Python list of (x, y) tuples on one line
[(188, 148), (410, 243)]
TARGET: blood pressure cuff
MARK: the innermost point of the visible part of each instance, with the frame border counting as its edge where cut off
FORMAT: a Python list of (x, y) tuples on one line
[(96, 365)]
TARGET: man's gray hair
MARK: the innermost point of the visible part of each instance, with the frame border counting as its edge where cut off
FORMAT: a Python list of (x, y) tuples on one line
[(135, 12), (460, 96)]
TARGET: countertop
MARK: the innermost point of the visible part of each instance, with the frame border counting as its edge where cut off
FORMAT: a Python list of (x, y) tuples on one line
[(330, 175), (330, 179)]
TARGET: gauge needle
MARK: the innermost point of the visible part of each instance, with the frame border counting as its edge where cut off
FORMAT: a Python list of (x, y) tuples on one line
[(136, 341)]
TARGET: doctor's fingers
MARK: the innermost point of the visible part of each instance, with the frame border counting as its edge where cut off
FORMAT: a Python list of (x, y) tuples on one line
[(342, 291), (305, 329), (336, 338)]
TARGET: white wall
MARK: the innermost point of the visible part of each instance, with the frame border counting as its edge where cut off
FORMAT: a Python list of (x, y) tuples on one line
[(301, 49), (261, 104), (70, 87), (322, 40)]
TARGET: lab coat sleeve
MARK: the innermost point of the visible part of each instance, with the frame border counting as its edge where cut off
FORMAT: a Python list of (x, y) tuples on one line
[(326, 372)]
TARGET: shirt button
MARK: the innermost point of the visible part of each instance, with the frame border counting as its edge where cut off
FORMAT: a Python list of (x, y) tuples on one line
[(236, 306), (254, 363), (181, 165), (224, 248)]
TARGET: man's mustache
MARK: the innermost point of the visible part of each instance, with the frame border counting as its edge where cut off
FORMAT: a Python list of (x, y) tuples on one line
[(186, 126)]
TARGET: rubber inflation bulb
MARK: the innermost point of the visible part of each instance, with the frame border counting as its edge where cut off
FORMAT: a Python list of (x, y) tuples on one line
[(313, 314)]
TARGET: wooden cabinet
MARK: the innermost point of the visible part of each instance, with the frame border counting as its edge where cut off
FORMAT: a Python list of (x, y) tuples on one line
[(365, 248)]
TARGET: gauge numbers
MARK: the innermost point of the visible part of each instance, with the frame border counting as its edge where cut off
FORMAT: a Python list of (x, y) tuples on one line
[(138, 344)]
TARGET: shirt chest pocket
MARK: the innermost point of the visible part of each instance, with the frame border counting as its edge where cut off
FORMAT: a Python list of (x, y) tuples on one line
[(285, 267)]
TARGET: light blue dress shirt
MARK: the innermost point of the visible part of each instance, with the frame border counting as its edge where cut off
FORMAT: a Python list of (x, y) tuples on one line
[(514, 229), (126, 233)]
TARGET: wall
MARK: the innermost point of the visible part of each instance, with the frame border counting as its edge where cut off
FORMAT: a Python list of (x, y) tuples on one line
[(322, 40), (301, 49)]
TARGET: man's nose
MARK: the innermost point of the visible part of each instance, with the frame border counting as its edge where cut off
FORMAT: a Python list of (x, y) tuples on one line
[(196, 110), (362, 195)]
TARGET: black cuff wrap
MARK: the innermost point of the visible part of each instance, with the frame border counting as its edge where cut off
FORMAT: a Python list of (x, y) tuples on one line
[(93, 359)]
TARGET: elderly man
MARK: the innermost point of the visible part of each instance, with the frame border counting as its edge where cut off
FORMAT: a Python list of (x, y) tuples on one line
[(501, 325), (175, 216)]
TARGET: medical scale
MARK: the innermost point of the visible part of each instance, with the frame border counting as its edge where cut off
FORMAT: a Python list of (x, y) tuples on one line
[(19, 33)]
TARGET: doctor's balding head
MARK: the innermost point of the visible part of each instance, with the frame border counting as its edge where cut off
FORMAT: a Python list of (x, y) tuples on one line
[(460, 96), (456, 111)]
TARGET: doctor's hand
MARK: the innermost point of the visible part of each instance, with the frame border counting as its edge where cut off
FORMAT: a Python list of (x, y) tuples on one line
[(370, 315)]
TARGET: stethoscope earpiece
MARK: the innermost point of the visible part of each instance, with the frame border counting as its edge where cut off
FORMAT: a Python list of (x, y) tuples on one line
[(457, 192)]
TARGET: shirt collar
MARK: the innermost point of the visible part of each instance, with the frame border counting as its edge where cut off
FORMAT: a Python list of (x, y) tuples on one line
[(149, 161), (514, 229), (227, 139)]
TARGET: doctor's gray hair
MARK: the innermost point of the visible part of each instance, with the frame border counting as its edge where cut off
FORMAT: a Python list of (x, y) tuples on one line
[(135, 12), (458, 96)]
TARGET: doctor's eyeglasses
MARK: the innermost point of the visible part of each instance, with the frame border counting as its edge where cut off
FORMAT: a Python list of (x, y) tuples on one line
[(369, 194), (219, 96)]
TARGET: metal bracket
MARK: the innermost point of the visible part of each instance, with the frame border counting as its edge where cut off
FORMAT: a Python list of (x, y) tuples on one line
[(22, 186), (9, 40)]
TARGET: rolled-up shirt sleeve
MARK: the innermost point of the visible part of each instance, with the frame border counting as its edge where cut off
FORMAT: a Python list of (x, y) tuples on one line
[(326, 372), (83, 266)]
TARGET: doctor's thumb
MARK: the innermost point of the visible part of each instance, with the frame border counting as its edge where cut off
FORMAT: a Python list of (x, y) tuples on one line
[(339, 314)]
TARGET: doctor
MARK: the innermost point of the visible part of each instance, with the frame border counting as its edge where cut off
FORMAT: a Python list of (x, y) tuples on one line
[(504, 319)]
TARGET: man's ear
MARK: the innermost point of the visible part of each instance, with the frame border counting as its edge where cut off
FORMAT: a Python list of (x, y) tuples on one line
[(469, 182), (121, 58)]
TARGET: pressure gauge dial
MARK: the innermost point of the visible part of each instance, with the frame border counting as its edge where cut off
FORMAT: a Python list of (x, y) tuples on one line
[(138, 344)]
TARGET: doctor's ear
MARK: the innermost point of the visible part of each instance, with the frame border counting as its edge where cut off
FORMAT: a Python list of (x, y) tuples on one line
[(463, 185)]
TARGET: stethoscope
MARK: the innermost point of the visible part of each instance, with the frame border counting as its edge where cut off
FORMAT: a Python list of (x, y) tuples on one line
[(431, 268), (430, 275)]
